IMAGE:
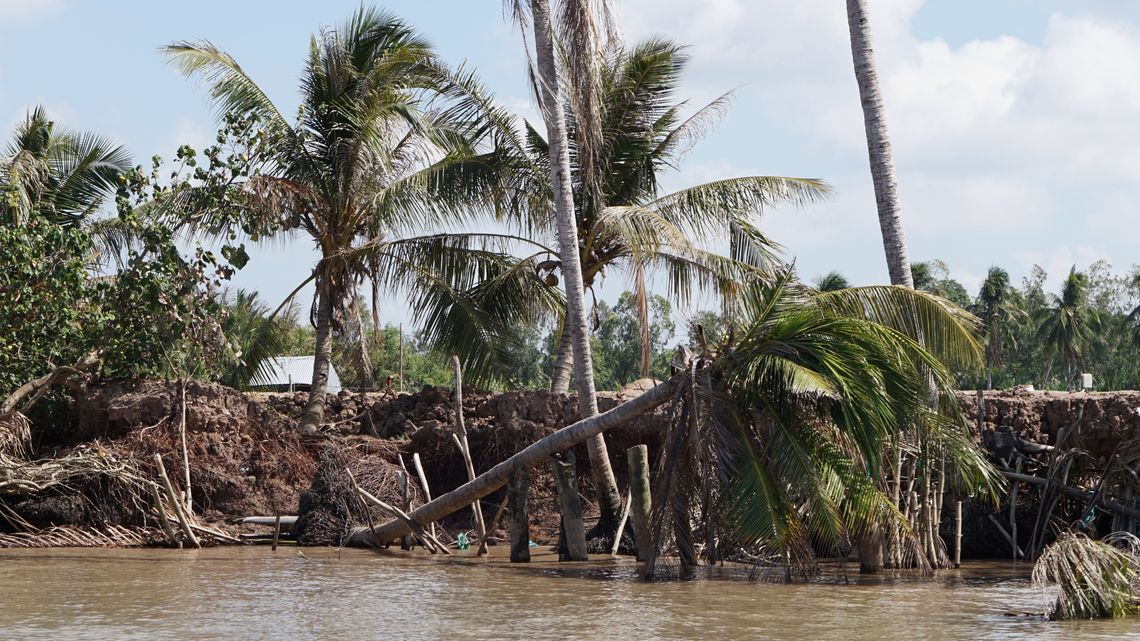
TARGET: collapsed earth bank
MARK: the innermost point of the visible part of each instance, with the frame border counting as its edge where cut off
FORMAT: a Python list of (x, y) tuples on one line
[(247, 458)]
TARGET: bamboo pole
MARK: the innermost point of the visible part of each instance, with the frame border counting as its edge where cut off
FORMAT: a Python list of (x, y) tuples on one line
[(423, 484), (621, 523), (185, 450), (183, 519), (276, 531), (1017, 553), (401, 358), (958, 534), (460, 436), (406, 504)]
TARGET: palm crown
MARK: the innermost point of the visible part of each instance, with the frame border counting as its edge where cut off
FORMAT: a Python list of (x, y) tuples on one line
[(385, 151), (63, 175)]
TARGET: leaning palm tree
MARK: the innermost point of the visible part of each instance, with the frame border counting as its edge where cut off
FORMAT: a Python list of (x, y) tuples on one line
[(777, 444), (1069, 324), (998, 311), (383, 150), (61, 174)]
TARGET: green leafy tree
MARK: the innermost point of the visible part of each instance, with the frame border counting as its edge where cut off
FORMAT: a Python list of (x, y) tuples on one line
[(934, 277), (617, 340)]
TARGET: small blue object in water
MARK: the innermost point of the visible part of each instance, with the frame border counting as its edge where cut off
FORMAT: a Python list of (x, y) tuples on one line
[(462, 541), (532, 544)]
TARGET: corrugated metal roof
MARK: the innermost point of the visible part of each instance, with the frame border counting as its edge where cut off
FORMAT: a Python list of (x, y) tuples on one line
[(297, 370)]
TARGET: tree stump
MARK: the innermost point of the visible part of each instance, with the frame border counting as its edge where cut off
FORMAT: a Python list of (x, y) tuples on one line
[(517, 493), (641, 502), (573, 531)]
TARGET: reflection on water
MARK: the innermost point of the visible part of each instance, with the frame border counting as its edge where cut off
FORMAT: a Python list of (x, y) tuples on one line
[(252, 593)]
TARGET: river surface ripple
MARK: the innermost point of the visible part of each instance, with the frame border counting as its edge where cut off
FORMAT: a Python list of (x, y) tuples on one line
[(252, 593)]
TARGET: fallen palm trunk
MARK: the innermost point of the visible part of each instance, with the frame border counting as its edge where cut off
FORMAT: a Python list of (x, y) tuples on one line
[(536, 454), (1076, 493)]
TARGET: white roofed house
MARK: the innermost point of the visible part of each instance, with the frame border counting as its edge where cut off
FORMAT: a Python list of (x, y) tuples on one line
[(290, 373)]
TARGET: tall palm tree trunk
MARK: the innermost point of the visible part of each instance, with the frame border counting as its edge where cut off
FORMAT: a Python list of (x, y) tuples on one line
[(870, 543), (322, 355), (564, 363), (878, 145), (609, 499)]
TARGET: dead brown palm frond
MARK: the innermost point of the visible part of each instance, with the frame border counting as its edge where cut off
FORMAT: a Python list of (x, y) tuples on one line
[(1095, 579), (15, 436)]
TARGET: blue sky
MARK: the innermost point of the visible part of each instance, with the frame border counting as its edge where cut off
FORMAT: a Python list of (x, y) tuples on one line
[(1015, 122)]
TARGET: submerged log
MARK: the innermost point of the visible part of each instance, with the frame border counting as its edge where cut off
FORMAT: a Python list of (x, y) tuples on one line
[(534, 454), (1107, 504)]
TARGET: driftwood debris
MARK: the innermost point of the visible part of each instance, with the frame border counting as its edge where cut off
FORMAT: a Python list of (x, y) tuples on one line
[(1107, 504), (179, 509), (430, 542), (423, 484)]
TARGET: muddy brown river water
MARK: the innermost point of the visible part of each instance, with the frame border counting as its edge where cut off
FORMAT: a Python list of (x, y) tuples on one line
[(252, 593)]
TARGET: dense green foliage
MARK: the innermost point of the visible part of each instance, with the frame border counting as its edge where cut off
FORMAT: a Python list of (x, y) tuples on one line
[(1046, 333)]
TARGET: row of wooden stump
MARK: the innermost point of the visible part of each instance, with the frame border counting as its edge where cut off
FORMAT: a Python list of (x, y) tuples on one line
[(572, 543)]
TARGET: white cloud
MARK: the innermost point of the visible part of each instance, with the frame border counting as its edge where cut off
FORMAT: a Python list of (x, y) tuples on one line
[(1008, 151)]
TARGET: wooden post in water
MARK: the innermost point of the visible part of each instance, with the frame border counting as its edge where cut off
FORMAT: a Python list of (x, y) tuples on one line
[(423, 483), (459, 435), (574, 532), (276, 530), (406, 504), (517, 495), (958, 535), (641, 502)]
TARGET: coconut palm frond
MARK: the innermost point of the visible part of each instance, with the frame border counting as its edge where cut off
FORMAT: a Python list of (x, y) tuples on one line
[(1094, 579), (469, 300), (708, 209), (945, 330), (231, 89)]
